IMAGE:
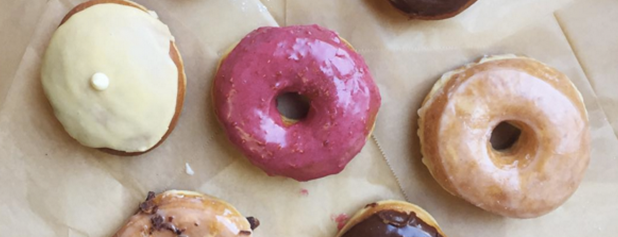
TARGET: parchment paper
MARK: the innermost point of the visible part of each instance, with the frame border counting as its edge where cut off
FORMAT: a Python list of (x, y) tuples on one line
[(51, 186), (591, 28), (17, 22)]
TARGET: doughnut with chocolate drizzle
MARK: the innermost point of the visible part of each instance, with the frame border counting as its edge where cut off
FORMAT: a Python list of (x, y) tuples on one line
[(391, 219), (185, 213)]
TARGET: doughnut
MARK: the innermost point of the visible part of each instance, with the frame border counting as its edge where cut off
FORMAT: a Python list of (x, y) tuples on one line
[(391, 219), (431, 9), (313, 62), (114, 77), (540, 168), (185, 213)]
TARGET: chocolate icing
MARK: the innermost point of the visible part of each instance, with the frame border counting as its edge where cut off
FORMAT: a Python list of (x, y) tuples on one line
[(431, 8), (159, 224), (391, 223), (148, 206), (254, 222)]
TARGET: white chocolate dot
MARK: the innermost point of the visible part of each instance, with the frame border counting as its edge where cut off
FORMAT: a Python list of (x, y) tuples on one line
[(99, 81)]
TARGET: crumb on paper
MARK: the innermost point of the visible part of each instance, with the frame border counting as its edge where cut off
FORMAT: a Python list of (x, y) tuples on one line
[(188, 169), (304, 192), (341, 220)]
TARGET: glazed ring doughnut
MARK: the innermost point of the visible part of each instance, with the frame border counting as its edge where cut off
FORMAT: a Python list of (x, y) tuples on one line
[(541, 167), (431, 9), (391, 219), (313, 62), (114, 86), (185, 213)]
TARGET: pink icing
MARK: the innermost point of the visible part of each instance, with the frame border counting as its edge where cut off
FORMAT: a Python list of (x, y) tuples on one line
[(311, 61)]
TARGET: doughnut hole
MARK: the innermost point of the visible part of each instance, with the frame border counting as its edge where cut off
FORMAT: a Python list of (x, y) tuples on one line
[(293, 107), (512, 143), (504, 136)]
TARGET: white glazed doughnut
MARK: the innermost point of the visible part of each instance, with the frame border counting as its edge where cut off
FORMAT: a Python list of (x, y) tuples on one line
[(114, 77)]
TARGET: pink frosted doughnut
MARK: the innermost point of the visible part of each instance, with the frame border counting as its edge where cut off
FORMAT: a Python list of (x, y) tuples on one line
[(313, 62)]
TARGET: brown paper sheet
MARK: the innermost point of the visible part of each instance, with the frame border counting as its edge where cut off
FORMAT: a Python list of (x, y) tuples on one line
[(51, 186), (17, 22), (591, 29), (276, 9)]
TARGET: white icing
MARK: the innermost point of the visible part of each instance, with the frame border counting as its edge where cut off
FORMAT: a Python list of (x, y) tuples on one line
[(153, 14), (99, 81), (132, 48)]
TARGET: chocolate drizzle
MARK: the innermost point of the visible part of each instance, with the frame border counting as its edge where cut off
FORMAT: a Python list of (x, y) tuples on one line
[(391, 223), (159, 224), (254, 222), (148, 206), (431, 9)]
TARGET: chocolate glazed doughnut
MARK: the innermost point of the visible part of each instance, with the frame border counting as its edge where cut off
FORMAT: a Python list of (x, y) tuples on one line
[(391, 219), (432, 9)]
